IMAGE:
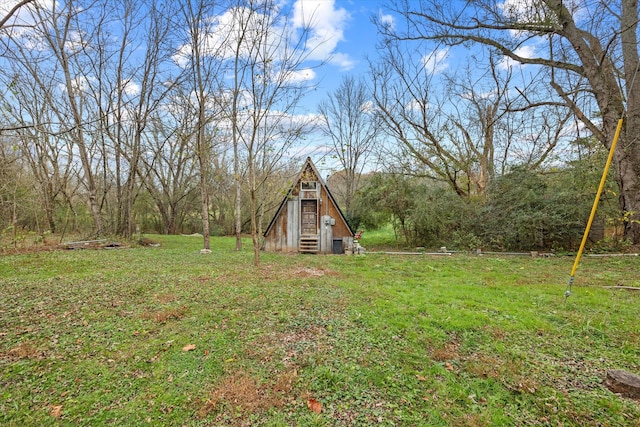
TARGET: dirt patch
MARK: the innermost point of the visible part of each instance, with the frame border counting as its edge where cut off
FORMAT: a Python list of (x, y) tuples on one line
[(163, 316), (448, 352), (243, 394), (24, 351), (166, 298), (291, 347), (29, 249), (275, 272), (483, 366)]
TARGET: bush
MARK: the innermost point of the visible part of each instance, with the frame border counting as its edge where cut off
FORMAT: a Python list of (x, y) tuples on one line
[(527, 210), (442, 218)]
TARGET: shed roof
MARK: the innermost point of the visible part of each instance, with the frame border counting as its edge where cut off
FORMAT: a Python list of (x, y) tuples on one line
[(307, 163)]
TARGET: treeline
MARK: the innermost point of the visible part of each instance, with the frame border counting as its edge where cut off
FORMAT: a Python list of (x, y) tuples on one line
[(522, 210), (156, 209), (146, 114), (182, 117)]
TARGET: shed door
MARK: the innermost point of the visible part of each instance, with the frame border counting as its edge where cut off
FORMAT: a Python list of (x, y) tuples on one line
[(309, 217)]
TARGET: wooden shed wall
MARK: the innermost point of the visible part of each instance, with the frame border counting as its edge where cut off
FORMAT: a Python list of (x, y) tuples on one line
[(284, 234), (340, 229)]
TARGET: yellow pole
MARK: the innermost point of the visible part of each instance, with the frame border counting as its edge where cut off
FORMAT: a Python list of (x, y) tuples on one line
[(593, 209)]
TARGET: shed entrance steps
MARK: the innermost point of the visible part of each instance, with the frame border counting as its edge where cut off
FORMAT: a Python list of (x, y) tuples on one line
[(309, 244)]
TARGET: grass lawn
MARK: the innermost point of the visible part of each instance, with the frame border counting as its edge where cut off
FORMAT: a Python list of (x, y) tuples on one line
[(169, 336)]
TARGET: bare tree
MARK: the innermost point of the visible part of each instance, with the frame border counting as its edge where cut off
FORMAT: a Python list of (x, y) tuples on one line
[(410, 109), (459, 126), (495, 129), (92, 93), (47, 52), (133, 85), (27, 107), (351, 124), (13, 11), (591, 57), (61, 33), (204, 68), (169, 169), (271, 79)]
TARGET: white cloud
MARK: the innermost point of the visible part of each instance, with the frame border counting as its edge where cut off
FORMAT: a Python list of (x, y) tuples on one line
[(387, 20), (326, 24), (523, 51), (368, 107), (221, 37), (435, 62), (342, 60), (79, 84), (23, 20), (479, 95), (130, 88), (299, 76)]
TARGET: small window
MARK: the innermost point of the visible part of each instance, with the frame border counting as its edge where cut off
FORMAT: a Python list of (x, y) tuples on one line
[(308, 185)]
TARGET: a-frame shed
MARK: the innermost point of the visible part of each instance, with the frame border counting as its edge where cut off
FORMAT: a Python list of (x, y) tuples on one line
[(308, 219)]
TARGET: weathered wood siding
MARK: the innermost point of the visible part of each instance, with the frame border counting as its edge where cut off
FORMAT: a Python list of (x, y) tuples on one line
[(293, 224), (284, 232), (340, 229)]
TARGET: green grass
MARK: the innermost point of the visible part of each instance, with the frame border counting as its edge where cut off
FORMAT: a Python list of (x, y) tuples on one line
[(383, 238), (97, 337)]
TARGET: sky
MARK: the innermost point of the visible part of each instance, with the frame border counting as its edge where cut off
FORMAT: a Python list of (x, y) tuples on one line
[(342, 34), (348, 38), (348, 23)]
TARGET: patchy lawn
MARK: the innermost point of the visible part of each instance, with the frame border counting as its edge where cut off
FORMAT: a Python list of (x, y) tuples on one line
[(168, 336)]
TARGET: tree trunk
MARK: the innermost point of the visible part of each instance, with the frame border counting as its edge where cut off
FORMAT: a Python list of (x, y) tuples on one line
[(253, 203), (628, 163), (205, 213), (628, 177), (238, 199), (49, 206)]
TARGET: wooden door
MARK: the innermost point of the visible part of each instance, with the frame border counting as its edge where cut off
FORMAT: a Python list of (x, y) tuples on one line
[(309, 223)]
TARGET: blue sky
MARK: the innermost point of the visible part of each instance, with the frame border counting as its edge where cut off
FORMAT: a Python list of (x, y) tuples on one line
[(351, 35), (342, 34)]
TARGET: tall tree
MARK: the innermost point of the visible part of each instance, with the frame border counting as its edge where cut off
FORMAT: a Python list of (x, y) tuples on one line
[(27, 108), (12, 11), (202, 55), (169, 169), (460, 126), (592, 68), (349, 120), (134, 81), (270, 79), (49, 51)]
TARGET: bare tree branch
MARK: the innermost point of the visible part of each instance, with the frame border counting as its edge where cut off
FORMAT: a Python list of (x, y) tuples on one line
[(13, 11)]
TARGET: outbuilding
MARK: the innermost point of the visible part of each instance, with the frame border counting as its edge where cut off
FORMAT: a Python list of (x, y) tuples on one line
[(309, 220)]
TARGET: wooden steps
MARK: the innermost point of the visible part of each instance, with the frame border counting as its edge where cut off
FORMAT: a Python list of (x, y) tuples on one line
[(309, 244)]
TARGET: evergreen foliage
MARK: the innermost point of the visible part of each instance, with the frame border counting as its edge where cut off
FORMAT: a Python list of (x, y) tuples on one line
[(523, 210)]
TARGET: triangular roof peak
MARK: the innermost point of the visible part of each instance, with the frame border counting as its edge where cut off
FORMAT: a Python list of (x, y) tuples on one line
[(308, 164)]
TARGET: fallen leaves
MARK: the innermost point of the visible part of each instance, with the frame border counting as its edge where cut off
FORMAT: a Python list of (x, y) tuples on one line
[(55, 411), (189, 347), (314, 405)]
